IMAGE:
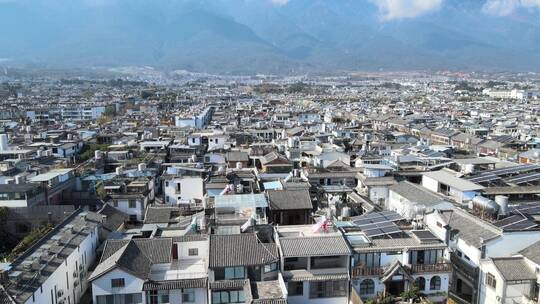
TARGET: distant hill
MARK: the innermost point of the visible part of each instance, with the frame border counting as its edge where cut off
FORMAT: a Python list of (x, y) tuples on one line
[(249, 36)]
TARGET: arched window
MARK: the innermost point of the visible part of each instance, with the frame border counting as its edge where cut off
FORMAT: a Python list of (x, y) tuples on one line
[(420, 282), (367, 287), (435, 283)]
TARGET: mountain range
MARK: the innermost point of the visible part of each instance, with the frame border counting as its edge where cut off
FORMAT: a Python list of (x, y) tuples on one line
[(267, 36)]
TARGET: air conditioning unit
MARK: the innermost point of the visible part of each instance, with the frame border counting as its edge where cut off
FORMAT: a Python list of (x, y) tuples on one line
[(76, 283), (80, 267), (74, 274), (60, 293)]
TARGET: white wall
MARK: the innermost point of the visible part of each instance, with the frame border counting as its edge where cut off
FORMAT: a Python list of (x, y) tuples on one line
[(433, 221), (510, 243), (305, 299), (430, 183), (13, 203), (183, 250), (445, 282), (102, 285), (140, 207), (85, 256), (379, 287), (201, 294), (487, 294), (376, 193), (190, 188)]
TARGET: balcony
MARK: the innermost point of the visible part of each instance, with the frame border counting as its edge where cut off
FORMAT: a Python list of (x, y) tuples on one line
[(470, 272), (367, 271), (427, 268)]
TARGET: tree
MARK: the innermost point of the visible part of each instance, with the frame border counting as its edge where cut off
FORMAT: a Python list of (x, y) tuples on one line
[(412, 293), (28, 240)]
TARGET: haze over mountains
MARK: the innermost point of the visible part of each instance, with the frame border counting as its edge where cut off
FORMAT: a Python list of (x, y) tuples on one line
[(276, 36)]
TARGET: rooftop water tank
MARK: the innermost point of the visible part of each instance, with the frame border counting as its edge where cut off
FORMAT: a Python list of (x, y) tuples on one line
[(485, 204), (3, 142), (502, 201)]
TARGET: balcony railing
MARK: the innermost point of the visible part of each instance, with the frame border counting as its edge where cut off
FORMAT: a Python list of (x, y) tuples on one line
[(464, 268), (426, 268), (367, 271)]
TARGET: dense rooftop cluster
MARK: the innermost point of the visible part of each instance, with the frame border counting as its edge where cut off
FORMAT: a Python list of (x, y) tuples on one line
[(375, 187)]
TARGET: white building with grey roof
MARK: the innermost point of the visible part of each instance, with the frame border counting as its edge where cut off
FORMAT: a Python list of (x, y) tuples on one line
[(472, 240), (507, 280), (148, 271), (315, 264), (54, 269), (411, 200)]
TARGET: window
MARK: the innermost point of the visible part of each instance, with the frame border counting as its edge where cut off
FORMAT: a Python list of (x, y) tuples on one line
[(166, 184), (117, 283), (329, 289), (295, 288), (164, 295), (435, 283), (157, 297), (420, 282), (367, 287), (179, 188), (234, 273), (188, 295), (115, 203), (230, 296), (193, 251), (425, 256), (490, 280), (130, 298), (368, 259), (270, 267), (132, 204), (132, 217)]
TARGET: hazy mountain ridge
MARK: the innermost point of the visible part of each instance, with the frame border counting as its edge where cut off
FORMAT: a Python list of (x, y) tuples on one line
[(243, 36)]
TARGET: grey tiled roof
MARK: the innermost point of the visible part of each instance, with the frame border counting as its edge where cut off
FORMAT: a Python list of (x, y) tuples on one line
[(133, 256), (157, 250), (156, 215), (289, 199), (301, 275), (402, 242), (228, 284), (532, 252), (469, 228), (415, 193), (514, 269), (270, 301), (115, 218), (237, 156), (240, 250), (129, 258), (176, 284), (191, 238), (314, 246)]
